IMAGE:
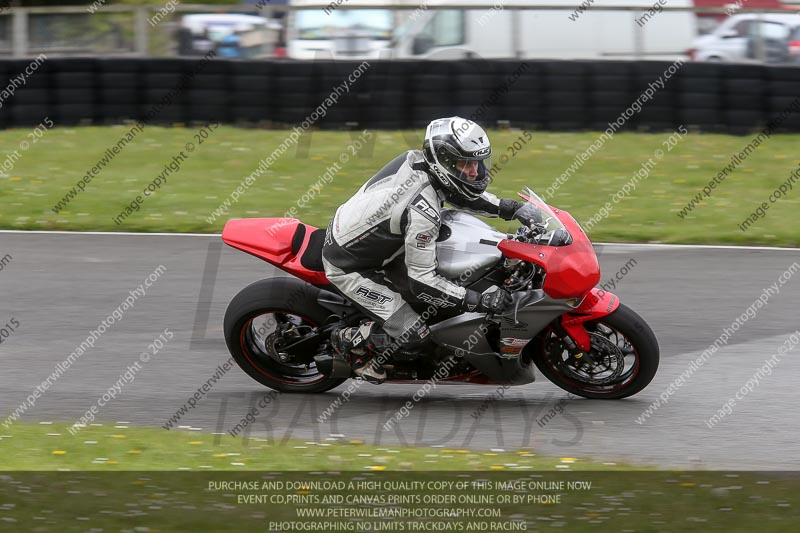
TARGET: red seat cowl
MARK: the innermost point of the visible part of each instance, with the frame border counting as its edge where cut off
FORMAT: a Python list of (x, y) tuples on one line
[(270, 236)]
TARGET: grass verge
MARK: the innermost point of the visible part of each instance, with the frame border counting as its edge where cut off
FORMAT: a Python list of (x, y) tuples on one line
[(90, 493), (50, 446), (45, 172)]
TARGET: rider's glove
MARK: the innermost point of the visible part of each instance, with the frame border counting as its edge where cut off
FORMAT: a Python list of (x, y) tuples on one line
[(507, 208), (528, 214), (495, 302), (525, 212)]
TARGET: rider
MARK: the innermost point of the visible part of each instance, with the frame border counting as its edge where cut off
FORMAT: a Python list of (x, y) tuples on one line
[(397, 211)]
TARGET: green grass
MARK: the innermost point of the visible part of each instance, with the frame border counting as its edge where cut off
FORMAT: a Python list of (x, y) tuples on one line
[(47, 170), (107, 477), (107, 447)]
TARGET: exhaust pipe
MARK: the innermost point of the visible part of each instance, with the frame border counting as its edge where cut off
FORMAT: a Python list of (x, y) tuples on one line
[(333, 366)]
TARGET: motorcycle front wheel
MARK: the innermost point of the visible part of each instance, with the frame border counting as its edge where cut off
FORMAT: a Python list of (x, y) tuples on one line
[(622, 361)]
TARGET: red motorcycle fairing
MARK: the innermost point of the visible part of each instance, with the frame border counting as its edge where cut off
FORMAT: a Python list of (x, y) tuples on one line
[(597, 304), (572, 272), (271, 239)]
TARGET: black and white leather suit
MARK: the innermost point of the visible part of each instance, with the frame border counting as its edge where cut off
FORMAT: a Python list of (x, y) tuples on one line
[(398, 212)]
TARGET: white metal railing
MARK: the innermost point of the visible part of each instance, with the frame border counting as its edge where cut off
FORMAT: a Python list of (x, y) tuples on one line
[(16, 39)]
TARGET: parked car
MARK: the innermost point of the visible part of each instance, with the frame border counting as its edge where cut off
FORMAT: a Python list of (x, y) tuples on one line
[(747, 38), (770, 49), (328, 32), (230, 34), (707, 22), (794, 46)]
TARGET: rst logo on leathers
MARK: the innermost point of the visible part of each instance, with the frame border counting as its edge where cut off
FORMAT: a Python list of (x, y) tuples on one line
[(433, 300), (373, 296), (422, 205)]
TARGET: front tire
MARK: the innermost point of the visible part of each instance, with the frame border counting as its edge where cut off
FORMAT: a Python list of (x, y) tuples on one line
[(253, 317), (623, 359)]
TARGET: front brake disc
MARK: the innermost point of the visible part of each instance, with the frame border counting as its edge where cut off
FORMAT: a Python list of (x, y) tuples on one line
[(603, 353)]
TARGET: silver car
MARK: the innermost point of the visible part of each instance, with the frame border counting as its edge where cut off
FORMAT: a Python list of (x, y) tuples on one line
[(759, 38), (794, 46)]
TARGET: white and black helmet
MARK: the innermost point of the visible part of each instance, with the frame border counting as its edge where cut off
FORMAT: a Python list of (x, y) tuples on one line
[(453, 139)]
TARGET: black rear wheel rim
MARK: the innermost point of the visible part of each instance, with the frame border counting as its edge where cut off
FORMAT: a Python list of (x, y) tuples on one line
[(260, 331)]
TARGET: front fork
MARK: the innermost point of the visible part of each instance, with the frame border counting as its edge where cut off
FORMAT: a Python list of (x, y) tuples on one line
[(597, 304)]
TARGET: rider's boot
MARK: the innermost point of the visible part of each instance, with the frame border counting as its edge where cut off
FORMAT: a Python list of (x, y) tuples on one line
[(351, 343)]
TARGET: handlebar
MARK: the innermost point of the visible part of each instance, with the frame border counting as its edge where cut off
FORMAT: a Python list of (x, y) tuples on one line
[(537, 233)]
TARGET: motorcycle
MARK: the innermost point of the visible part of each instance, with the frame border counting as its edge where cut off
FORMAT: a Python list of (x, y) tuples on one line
[(578, 336)]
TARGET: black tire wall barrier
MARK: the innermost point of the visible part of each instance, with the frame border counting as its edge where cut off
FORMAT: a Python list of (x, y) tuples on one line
[(542, 95)]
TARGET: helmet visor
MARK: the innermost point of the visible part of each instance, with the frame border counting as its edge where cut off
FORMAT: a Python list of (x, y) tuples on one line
[(472, 173)]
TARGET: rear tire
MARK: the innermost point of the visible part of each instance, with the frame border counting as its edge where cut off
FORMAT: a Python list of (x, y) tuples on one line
[(645, 356), (286, 296)]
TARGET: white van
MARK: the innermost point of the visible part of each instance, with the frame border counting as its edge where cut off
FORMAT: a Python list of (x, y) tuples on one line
[(557, 34), (501, 32)]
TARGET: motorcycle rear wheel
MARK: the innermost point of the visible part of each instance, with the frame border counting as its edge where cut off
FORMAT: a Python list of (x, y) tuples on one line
[(623, 359), (251, 320)]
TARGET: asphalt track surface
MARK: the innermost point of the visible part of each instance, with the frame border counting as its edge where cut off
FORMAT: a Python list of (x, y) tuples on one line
[(59, 287)]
